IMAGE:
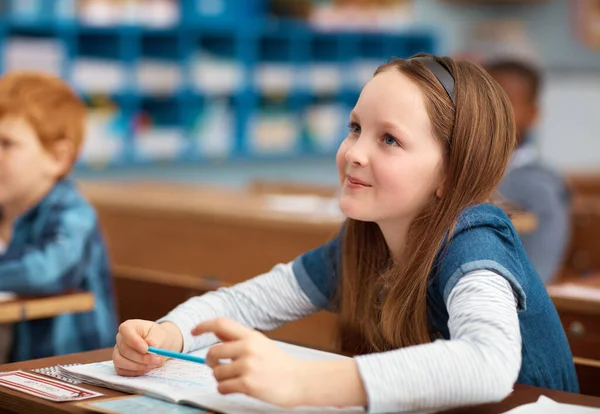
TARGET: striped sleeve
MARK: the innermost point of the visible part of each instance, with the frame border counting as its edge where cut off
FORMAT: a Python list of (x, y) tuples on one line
[(479, 364), (265, 302)]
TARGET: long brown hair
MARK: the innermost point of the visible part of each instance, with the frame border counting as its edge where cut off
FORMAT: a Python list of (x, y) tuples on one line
[(383, 303)]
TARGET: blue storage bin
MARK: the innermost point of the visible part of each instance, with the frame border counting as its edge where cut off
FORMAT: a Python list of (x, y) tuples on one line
[(222, 53), (40, 12), (215, 12), (30, 11)]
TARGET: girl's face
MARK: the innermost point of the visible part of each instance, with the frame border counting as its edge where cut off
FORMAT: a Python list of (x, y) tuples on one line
[(390, 164)]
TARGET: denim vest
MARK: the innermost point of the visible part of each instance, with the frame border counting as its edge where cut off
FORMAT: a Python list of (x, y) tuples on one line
[(484, 239)]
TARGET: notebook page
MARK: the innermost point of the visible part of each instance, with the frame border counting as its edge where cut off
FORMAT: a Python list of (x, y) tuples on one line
[(180, 381), (171, 382)]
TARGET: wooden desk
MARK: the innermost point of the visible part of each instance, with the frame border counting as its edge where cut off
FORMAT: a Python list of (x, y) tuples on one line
[(19, 309), (577, 301), (580, 314), (578, 304), (175, 241), (17, 402)]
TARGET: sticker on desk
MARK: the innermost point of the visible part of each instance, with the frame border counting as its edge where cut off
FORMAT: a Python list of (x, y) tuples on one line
[(44, 387)]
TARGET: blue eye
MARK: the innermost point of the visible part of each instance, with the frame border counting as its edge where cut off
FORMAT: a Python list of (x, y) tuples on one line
[(354, 128), (391, 141)]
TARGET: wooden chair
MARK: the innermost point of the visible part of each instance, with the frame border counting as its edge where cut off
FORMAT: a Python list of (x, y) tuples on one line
[(583, 256), (584, 184), (588, 374)]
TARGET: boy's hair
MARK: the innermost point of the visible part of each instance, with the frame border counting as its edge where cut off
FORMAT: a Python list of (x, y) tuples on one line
[(48, 104), (518, 68)]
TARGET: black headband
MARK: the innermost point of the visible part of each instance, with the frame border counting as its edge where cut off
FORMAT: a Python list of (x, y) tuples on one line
[(440, 72)]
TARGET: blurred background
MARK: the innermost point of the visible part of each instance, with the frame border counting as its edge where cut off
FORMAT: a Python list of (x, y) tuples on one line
[(225, 91), (249, 99)]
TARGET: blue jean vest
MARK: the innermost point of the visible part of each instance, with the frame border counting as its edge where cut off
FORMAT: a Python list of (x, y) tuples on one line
[(484, 239)]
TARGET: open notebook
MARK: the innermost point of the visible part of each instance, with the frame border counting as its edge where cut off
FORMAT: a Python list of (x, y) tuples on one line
[(193, 384)]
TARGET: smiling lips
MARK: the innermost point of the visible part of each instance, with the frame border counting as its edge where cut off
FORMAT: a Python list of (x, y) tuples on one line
[(356, 183)]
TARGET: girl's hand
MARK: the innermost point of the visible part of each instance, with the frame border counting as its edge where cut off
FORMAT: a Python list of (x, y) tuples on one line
[(130, 355), (258, 368)]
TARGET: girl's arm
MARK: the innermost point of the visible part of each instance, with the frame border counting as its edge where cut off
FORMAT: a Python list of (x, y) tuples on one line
[(264, 302), (479, 364)]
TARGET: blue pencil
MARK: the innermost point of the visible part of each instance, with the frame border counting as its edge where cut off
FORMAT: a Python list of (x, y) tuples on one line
[(177, 355)]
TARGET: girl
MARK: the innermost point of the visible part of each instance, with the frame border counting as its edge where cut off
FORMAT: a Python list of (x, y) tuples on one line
[(436, 296)]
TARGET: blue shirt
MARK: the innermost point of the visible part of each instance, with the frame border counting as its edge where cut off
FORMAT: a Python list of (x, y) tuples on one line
[(484, 239), (57, 247), (540, 190)]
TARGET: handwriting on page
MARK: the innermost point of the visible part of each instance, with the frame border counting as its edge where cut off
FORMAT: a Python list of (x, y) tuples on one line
[(174, 373), (192, 383), (177, 372)]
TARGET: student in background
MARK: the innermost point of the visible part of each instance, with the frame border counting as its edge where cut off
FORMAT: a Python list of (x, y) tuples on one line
[(529, 183), (49, 236), (436, 296)]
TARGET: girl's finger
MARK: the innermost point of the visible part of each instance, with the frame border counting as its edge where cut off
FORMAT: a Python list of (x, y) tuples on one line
[(127, 364), (227, 350), (234, 386), (226, 372), (225, 329)]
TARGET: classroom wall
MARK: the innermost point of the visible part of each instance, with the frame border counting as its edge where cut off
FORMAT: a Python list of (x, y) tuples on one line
[(549, 24), (569, 127)]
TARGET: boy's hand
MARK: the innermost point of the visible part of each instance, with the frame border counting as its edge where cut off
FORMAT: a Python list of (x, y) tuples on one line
[(130, 355), (258, 368)]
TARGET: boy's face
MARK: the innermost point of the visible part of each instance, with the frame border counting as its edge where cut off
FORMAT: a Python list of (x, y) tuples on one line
[(27, 169), (524, 106)]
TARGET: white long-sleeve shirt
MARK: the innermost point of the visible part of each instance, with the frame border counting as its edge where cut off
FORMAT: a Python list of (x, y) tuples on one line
[(480, 363)]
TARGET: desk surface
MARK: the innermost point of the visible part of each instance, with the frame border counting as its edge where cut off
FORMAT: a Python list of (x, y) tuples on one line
[(14, 401), (577, 294), (279, 210), (18, 309), (171, 198)]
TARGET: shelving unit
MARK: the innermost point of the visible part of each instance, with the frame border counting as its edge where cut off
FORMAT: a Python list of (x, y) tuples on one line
[(232, 84)]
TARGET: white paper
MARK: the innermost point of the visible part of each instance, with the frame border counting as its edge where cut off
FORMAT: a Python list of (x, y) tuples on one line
[(548, 406), (179, 381)]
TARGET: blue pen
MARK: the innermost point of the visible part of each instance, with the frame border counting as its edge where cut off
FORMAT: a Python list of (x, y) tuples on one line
[(177, 355)]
